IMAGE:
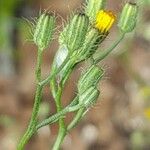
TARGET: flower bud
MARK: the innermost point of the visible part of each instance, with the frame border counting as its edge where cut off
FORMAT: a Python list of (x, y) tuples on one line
[(128, 17), (90, 78), (93, 7), (90, 45), (89, 97), (44, 30), (74, 34)]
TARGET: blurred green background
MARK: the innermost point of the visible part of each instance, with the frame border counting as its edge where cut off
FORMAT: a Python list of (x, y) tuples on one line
[(120, 120)]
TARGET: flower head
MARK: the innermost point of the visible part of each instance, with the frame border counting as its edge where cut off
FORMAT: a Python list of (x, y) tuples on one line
[(104, 20)]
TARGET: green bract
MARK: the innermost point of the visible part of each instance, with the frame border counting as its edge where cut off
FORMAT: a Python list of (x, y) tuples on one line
[(44, 30), (74, 33), (90, 78), (89, 97), (128, 17), (92, 8), (90, 45)]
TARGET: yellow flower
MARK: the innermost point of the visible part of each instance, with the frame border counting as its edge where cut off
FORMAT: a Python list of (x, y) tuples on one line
[(147, 113), (104, 20)]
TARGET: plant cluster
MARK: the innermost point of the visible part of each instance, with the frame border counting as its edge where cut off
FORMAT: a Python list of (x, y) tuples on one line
[(78, 41)]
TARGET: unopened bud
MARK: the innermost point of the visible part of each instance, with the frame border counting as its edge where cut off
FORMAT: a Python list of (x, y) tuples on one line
[(44, 30), (90, 78), (93, 7), (89, 97), (128, 17), (74, 33), (92, 41)]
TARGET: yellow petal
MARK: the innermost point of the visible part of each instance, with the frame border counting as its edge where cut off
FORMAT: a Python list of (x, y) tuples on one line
[(104, 20)]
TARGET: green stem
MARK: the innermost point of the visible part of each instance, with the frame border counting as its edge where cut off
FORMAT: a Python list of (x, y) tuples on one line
[(60, 137), (62, 133), (53, 85), (38, 66), (57, 92), (53, 118), (33, 121), (106, 52), (62, 128), (51, 76), (76, 119), (70, 108)]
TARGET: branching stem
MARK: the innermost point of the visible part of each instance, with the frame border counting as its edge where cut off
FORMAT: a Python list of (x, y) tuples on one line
[(40, 84)]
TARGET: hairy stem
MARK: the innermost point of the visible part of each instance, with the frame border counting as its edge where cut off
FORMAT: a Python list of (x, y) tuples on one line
[(40, 84), (57, 116), (33, 121)]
